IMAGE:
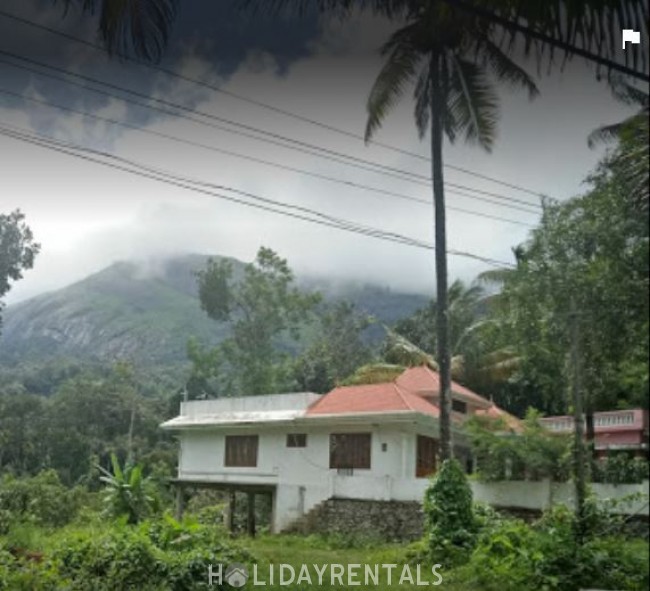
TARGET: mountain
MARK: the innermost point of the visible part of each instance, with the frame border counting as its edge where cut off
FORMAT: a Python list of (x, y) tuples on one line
[(147, 312)]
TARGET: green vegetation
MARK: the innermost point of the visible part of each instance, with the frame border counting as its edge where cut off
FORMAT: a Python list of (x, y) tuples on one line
[(533, 454), (128, 493), (17, 250), (57, 538), (146, 314), (448, 507), (262, 305)]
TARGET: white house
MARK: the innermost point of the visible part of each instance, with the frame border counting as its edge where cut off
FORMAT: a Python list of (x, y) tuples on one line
[(372, 442)]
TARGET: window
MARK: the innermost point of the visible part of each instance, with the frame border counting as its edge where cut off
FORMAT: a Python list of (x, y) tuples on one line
[(459, 406), (296, 440), (427, 449), (241, 451), (350, 451)]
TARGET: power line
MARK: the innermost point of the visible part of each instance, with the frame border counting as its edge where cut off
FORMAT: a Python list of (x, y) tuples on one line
[(261, 104), (137, 169), (247, 157), (299, 146)]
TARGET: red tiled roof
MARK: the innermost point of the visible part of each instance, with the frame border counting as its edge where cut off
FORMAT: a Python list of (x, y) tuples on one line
[(422, 378), (387, 397)]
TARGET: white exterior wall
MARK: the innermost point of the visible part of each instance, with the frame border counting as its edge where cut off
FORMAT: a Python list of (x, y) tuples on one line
[(302, 475)]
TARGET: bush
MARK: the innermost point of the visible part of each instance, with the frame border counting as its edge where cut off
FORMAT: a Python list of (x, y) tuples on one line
[(534, 454), (158, 555), (515, 555), (448, 509), (41, 500), (620, 468)]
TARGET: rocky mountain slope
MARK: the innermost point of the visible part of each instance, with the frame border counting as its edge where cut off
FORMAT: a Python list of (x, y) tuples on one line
[(146, 313)]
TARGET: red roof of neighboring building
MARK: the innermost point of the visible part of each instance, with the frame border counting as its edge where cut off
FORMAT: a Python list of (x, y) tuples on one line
[(387, 397), (495, 412), (422, 378)]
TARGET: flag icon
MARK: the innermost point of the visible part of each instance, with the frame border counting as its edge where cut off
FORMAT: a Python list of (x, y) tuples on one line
[(631, 36)]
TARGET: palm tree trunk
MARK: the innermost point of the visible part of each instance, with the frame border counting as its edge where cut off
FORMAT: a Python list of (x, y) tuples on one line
[(443, 354)]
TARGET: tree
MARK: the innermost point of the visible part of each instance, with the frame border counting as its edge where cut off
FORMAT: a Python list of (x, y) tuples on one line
[(632, 135), (449, 55), (263, 306), (338, 350), (17, 250), (592, 249)]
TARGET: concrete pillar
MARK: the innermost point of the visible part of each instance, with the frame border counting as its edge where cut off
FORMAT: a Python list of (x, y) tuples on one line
[(250, 521), (231, 511), (180, 502)]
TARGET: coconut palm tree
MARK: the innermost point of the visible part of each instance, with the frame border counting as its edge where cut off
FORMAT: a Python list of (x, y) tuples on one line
[(631, 158), (449, 57)]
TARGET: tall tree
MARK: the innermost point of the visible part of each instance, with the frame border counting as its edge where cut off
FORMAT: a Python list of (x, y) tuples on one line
[(17, 250), (592, 249), (449, 56), (338, 350), (262, 306)]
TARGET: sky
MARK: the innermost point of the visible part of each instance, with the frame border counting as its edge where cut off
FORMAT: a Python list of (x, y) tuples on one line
[(87, 216)]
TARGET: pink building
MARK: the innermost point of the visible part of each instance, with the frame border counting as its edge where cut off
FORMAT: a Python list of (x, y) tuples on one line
[(615, 430)]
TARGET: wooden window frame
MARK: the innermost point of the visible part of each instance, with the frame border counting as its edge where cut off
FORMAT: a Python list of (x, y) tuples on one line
[(241, 458), (350, 451), (296, 440), (423, 468)]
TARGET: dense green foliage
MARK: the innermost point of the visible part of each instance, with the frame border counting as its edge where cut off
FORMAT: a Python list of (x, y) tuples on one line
[(263, 304), (157, 555), (511, 555), (40, 500), (88, 417), (533, 454), (589, 254), (337, 351), (511, 339)]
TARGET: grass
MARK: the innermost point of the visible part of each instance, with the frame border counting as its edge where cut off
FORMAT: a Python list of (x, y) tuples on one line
[(316, 551)]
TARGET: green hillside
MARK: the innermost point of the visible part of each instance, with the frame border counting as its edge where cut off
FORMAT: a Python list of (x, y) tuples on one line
[(146, 313)]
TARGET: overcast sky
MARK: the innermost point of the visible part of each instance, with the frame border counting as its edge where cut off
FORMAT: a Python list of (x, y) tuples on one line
[(87, 216)]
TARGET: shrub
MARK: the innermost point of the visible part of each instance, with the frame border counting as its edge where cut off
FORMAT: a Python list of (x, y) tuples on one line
[(162, 554), (448, 509), (40, 499), (515, 555), (620, 468)]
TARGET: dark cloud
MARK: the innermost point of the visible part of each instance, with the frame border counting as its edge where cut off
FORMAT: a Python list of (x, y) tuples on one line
[(216, 38)]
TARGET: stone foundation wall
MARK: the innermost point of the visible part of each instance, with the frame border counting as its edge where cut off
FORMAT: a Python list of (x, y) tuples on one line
[(387, 520)]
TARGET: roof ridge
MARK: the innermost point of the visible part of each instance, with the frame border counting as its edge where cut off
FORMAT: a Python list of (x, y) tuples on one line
[(403, 392), (401, 395)]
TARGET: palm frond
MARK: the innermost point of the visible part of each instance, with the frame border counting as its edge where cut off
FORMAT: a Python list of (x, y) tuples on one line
[(586, 25), (604, 134), (398, 70), (473, 103), (139, 26), (627, 93), (495, 276), (506, 70)]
